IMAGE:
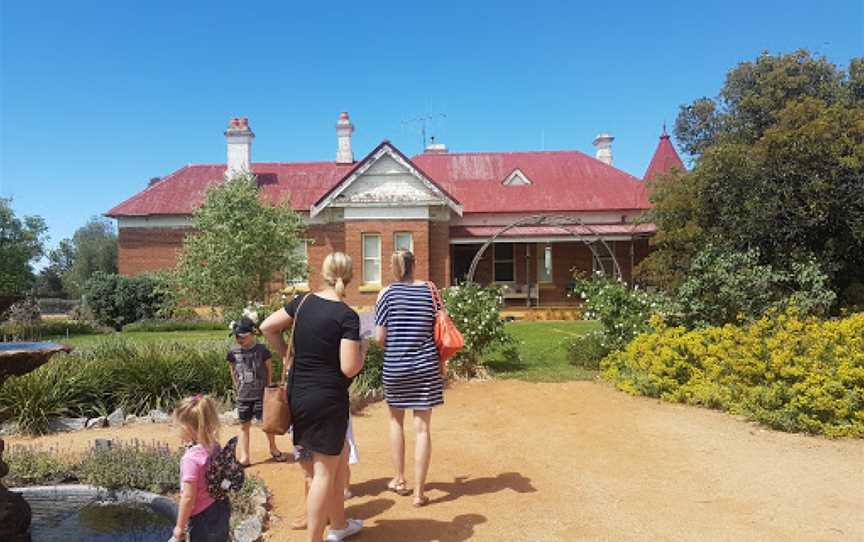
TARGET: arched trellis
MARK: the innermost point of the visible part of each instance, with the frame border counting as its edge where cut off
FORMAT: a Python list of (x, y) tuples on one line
[(565, 223)]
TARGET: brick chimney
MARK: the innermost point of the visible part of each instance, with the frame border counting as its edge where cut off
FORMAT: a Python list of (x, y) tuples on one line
[(344, 154), (603, 144), (239, 138)]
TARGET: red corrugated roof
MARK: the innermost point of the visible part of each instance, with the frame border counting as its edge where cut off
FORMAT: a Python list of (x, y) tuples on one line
[(560, 181), (184, 190), (484, 232), (664, 160)]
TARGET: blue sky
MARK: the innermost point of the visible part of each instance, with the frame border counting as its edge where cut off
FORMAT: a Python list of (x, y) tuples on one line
[(98, 97)]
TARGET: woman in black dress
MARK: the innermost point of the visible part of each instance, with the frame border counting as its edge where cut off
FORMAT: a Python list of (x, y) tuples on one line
[(327, 354)]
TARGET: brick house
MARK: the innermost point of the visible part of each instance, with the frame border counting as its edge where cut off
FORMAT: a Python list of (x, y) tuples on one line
[(442, 205)]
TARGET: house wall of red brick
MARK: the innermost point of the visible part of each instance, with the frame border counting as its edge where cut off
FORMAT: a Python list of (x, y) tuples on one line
[(142, 250)]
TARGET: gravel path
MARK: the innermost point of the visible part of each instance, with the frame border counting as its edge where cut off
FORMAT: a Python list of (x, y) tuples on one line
[(580, 461)]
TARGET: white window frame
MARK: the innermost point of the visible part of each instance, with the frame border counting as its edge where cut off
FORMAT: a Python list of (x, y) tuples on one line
[(495, 262), (541, 264), (376, 258), (410, 240), (304, 282)]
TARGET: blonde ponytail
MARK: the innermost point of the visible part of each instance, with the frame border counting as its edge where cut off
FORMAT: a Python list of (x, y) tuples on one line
[(199, 416), (403, 265), (337, 271)]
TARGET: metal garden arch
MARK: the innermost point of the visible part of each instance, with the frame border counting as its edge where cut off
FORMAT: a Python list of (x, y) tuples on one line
[(565, 223)]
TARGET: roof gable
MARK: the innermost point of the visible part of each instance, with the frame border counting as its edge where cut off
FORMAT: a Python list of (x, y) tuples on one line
[(385, 177)]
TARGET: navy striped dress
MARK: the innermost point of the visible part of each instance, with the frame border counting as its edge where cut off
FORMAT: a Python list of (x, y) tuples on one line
[(412, 378)]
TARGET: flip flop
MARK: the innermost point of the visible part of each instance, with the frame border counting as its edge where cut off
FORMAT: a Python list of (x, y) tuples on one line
[(421, 502), (281, 457), (399, 488)]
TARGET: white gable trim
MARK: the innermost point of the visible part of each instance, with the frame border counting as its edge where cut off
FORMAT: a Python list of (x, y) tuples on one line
[(516, 178), (386, 150)]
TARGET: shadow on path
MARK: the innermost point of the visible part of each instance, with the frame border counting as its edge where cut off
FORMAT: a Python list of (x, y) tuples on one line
[(466, 486), (422, 530)]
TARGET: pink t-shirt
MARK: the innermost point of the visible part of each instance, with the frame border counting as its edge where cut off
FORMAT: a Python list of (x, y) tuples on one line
[(193, 468)]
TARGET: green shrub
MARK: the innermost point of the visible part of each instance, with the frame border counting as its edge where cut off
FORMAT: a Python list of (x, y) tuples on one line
[(476, 312), (788, 372), (148, 467), (152, 326), (33, 466), (725, 287), (370, 381), (587, 350), (116, 300), (116, 372), (623, 312)]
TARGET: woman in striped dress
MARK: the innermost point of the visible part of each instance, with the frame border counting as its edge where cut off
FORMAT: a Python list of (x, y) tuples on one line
[(405, 316)]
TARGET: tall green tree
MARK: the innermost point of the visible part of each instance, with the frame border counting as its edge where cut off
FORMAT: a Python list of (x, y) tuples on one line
[(240, 246), (21, 245), (49, 282), (94, 248), (778, 167)]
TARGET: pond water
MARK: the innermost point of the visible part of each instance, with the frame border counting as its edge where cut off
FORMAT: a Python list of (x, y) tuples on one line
[(76, 516)]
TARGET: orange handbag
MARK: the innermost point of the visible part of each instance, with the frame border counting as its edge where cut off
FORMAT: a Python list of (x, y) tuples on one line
[(448, 339)]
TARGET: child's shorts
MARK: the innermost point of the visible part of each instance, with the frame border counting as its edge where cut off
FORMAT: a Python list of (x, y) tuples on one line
[(246, 410), (211, 524)]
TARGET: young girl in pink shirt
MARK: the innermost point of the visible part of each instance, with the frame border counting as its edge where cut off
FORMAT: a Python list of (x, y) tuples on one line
[(200, 517)]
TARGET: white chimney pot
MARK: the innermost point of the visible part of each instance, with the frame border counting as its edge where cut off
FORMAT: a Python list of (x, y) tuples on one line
[(239, 138), (344, 128), (603, 144)]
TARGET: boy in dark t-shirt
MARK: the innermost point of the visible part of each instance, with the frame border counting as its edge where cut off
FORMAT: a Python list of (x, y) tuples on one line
[(251, 370)]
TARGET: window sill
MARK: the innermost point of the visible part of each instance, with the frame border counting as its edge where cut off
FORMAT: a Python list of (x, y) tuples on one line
[(371, 287), (548, 286)]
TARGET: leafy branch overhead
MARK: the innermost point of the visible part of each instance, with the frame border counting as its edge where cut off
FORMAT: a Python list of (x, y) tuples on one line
[(240, 245)]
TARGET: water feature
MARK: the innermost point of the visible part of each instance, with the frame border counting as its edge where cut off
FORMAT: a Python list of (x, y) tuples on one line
[(91, 514), (18, 359)]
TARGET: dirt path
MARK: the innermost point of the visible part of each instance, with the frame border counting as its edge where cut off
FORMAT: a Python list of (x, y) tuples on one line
[(581, 461)]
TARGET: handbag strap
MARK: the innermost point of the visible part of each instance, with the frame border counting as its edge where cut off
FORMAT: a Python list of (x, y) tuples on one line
[(437, 304), (290, 353)]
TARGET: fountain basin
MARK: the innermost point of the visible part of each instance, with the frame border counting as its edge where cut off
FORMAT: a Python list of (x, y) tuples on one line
[(71, 513), (18, 359)]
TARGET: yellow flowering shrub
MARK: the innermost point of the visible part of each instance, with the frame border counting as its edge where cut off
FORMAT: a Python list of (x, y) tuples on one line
[(788, 372)]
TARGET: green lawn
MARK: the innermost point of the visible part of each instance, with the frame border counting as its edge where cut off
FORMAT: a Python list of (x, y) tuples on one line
[(542, 348)]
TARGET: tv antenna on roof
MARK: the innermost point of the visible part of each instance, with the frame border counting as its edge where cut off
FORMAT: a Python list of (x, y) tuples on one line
[(421, 121)]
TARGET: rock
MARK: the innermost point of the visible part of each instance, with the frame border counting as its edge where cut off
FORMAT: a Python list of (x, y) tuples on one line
[(157, 416), (249, 530), (9, 428), (101, 421), (117, 418), (66, 424)]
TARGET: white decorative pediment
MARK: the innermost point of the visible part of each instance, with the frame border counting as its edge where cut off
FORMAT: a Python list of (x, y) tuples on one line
[(516, 178), (386, 178), (388, 181)]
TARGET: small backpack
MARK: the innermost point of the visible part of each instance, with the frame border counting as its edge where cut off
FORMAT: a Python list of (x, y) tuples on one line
[(224, 472)]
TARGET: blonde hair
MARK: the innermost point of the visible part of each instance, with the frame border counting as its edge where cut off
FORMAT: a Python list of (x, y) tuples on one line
[(403, 264), (337, 271), (198, 415)]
